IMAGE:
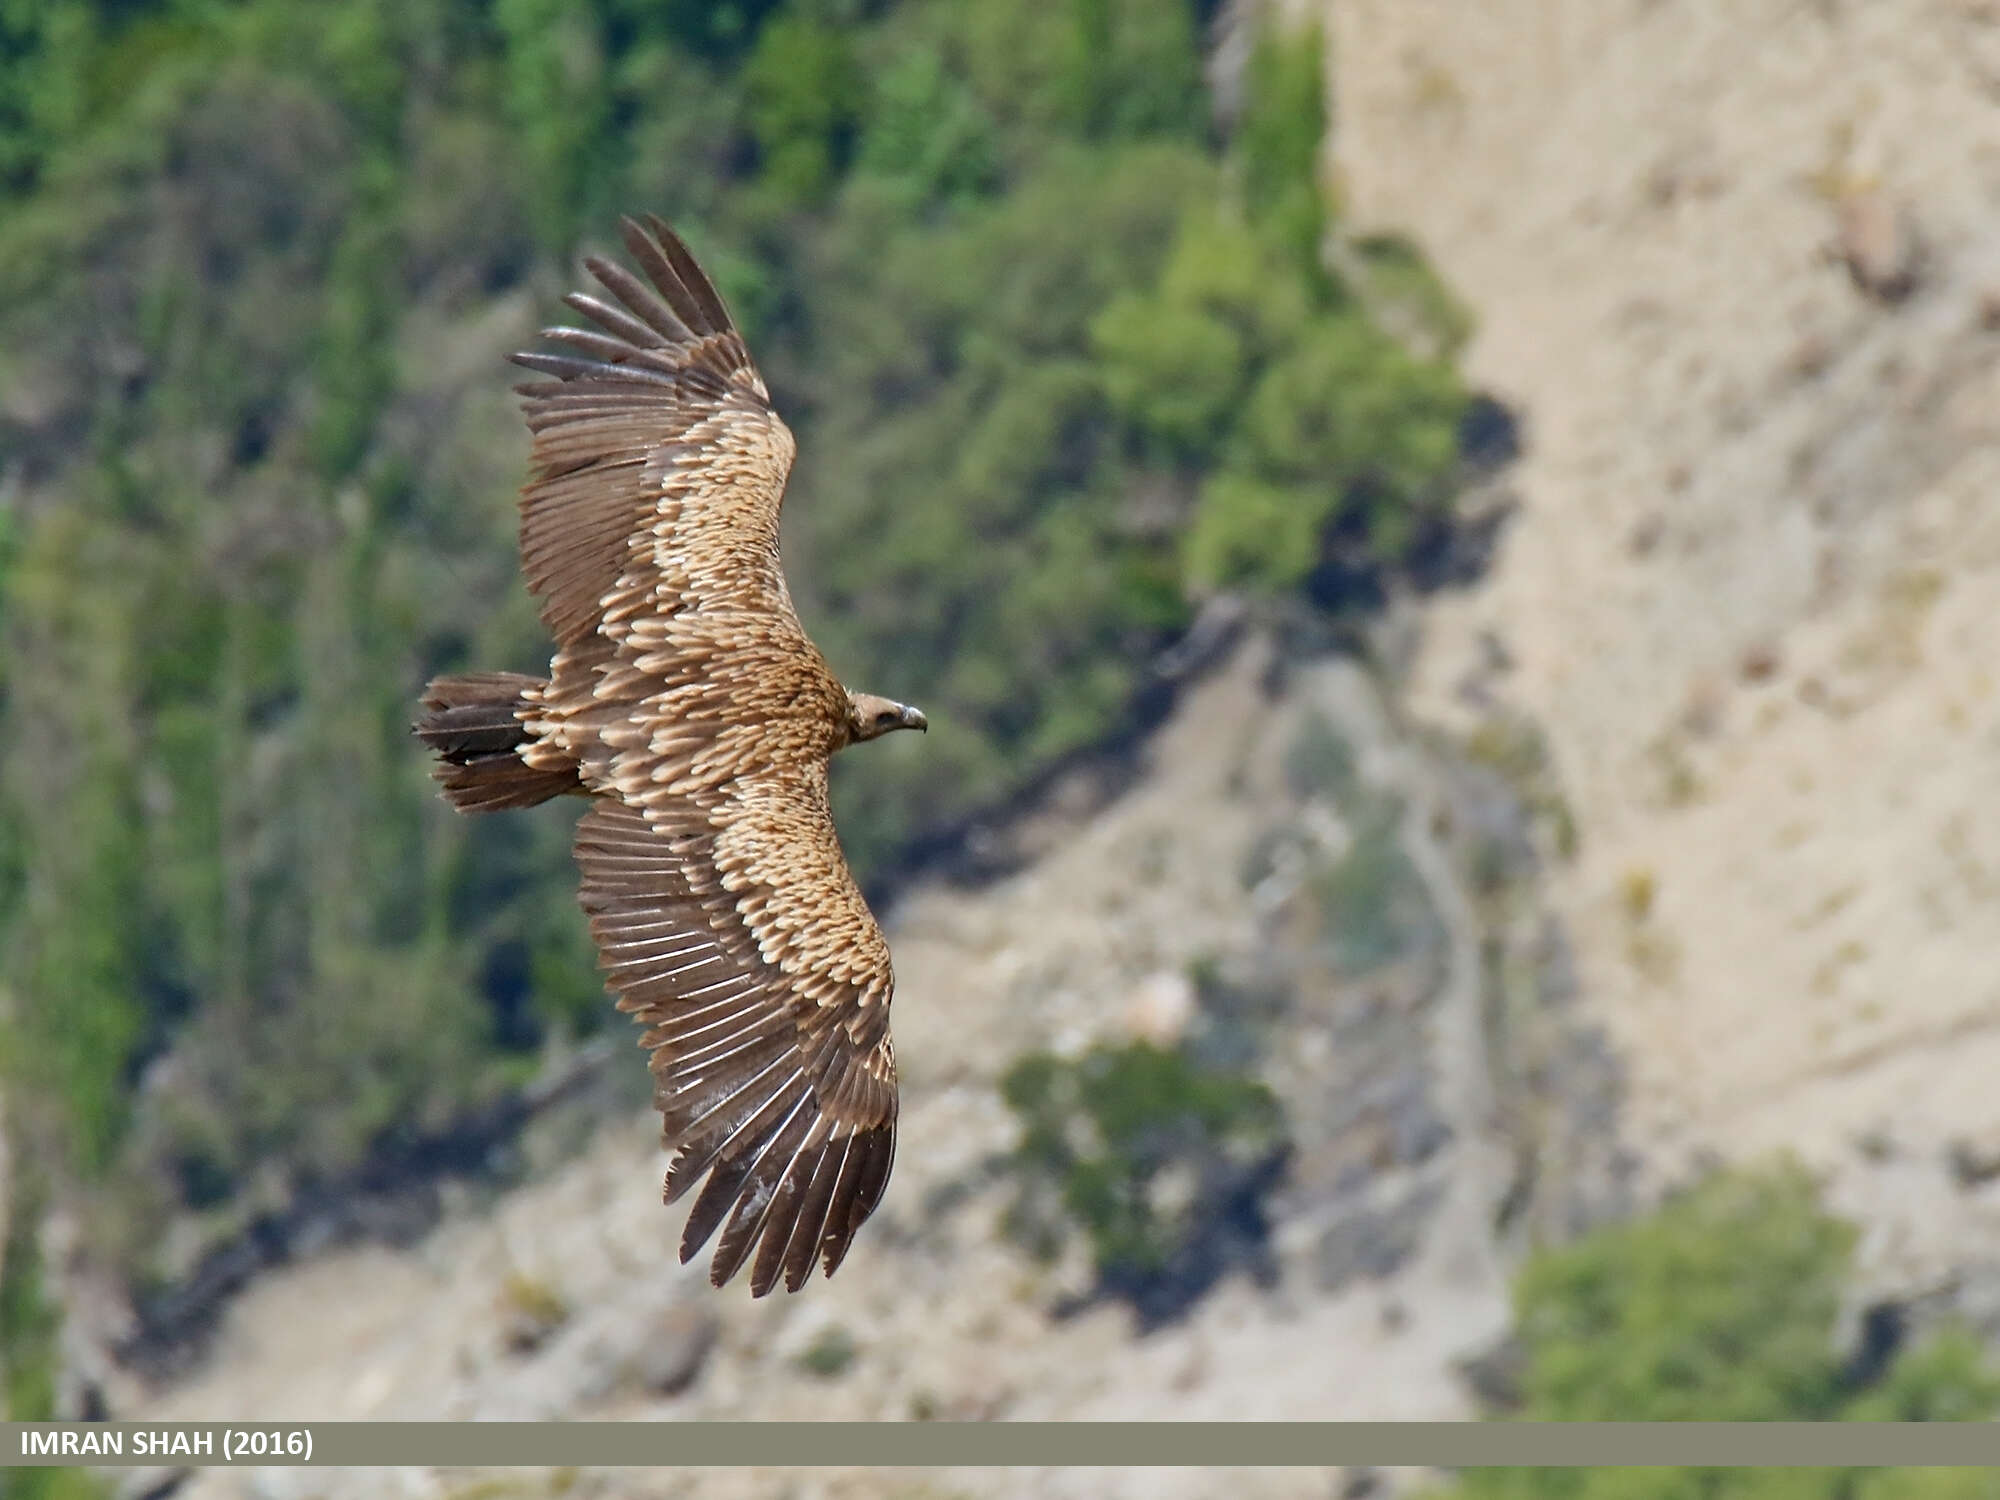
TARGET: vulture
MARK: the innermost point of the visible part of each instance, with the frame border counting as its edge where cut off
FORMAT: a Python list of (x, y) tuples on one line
[(687, 703)]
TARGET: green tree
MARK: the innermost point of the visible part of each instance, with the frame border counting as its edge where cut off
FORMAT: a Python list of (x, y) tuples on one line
[(558, 101), (805, 91), (927, 136), (30, 1322), (1720, 1306), (46, 49), (1279, 140)]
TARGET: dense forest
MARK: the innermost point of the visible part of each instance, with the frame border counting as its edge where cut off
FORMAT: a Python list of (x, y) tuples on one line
[(1050, 311)]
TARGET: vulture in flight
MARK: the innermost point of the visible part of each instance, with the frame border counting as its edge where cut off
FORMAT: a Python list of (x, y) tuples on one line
[(687, 703)]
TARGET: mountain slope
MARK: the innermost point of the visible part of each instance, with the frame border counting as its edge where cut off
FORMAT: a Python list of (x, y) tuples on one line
[(1738, 267)]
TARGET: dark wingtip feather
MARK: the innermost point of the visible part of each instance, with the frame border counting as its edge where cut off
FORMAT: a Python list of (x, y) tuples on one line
[(875, 1153), (562, 366), (567, 367), (646, 251), (642, 301), (616, 320), (810, 1223), (691, 275)]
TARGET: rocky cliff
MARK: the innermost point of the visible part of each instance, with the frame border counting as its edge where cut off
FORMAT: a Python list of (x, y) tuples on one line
[(1740, 268)]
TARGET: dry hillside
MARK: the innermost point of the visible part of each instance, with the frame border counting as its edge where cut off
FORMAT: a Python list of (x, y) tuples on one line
[(1738, 266)]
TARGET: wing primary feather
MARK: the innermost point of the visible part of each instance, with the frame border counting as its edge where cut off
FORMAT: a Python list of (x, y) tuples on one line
[(708, 1144), (684, 1023), (613, 351), (616, 320), (637, 917), (780, 1219), (705, 1048), (841, 1194), (702, 963), (659, 947), (803, 1242), (719, 1123), (692, 1021), (691, 275), (567, 368), (698, 1061), (726, 1180), (688, 1103), (710, 994), (760, 1197), (640, 300), (874, 1151), (661, 272), (868, 1197)]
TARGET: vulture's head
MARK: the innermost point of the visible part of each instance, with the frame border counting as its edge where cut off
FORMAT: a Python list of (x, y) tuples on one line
[(870, 717)]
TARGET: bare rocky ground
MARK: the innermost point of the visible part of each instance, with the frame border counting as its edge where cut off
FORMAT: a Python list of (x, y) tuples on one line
[(1739, 266)]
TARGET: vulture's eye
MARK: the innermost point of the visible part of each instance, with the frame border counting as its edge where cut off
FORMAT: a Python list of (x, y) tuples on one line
[(886, 718)]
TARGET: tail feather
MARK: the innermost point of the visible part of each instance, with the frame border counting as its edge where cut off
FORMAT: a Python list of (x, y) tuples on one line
[(473, 723)]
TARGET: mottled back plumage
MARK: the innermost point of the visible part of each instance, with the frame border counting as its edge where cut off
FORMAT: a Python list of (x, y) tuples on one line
[(687, 701)]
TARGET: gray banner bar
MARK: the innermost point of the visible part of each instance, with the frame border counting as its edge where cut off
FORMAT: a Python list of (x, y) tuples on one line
[(980, 1444)]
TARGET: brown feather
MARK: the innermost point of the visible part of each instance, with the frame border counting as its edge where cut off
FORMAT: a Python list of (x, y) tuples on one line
[(755, 1081), (686, 699), (476, 725)]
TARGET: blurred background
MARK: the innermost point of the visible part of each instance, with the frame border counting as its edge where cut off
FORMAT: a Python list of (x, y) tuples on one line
[(1450, 554)]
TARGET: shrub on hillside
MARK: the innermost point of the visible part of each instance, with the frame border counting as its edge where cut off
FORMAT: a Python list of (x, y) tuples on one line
[(1721, 1306), (1159, 1159)]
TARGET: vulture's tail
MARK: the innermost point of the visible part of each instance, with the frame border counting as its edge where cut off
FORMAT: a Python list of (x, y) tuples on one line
[(474, 725)]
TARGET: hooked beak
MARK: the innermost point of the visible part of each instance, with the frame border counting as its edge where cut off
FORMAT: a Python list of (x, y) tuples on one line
[(914, 719)]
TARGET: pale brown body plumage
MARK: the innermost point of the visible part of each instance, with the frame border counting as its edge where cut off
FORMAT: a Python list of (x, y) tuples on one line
[(687, 701)]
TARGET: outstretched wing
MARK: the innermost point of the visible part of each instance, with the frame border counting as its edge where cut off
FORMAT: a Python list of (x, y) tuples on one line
[(702, 717), (667, 387), (737, 938)]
